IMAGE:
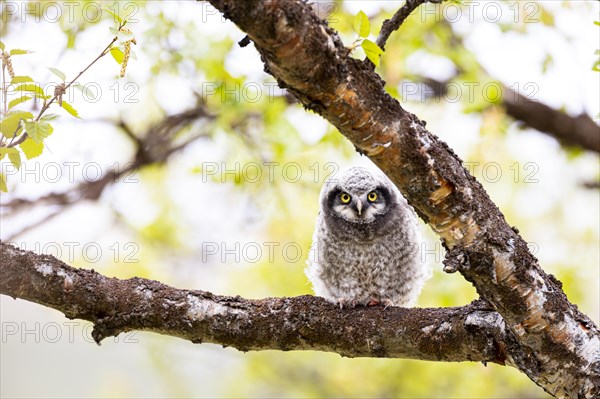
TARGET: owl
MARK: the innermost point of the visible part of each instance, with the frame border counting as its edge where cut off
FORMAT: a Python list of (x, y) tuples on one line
[(366, 243)]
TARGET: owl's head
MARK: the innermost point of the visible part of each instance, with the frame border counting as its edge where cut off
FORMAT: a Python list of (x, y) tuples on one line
[(357, 195)]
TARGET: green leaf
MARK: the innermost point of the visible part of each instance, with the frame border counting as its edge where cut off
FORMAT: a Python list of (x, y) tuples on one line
[(117, 54), (32, 88), (17, 51), (3, 187), (13, 155), (18, 101), (10, 123), (595, 23), (2, 47), (38, 131), (372, 50), (69, 108), (50, 117), (58, 73), (596, 66), (362, 26), (31, 149), (117, 18), (21, 79), (20, 114), (4, 151), (15, 158)]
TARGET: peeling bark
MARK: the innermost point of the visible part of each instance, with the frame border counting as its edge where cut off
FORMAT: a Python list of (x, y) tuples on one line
[(469, 333), (561, 345)]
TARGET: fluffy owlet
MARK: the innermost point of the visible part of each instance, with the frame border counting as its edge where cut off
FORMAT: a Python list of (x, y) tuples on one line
[(365, 245)]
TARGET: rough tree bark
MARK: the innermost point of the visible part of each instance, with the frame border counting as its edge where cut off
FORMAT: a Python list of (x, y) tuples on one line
[(541, 333), (474, 332)]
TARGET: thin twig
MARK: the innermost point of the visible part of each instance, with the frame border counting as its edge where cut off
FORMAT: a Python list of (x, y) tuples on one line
[(35, 224), (391, 25), (47, 104)]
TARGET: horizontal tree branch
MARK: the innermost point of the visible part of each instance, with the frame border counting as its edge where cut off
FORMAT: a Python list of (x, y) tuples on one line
[(561, 346), (580, 131), (468, 333)]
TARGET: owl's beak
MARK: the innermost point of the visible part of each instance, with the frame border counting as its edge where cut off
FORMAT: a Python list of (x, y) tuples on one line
[(359, 206)]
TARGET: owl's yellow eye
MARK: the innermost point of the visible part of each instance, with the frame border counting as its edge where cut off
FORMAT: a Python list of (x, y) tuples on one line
[(372, 196), (345, 198)]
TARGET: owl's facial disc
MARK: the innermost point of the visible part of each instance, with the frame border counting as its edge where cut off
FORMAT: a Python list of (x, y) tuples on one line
[(360, 207)]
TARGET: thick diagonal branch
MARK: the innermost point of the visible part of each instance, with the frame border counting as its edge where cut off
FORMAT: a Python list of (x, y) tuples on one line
[(308, 58), (469, 333)]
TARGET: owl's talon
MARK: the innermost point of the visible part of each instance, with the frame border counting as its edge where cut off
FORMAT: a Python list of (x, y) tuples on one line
[(387, 303), (373, 302), (344, 303)]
